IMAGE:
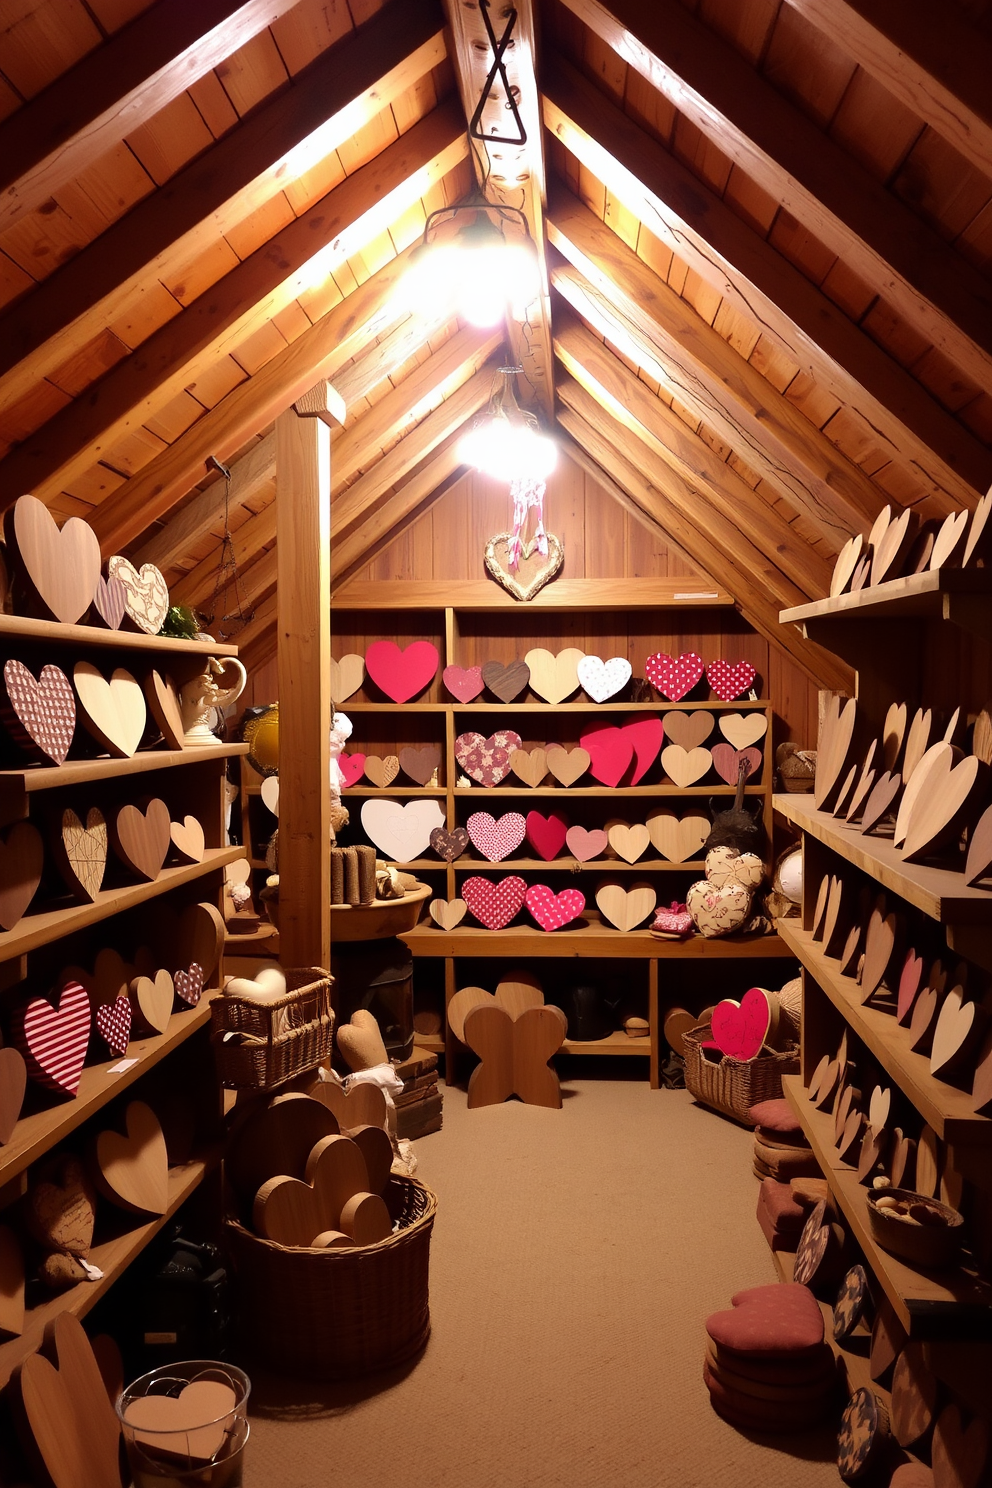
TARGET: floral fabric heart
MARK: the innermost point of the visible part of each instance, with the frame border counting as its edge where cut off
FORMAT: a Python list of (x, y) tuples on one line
[(449, 845), (551, 910), (487, 760), (673, 676)]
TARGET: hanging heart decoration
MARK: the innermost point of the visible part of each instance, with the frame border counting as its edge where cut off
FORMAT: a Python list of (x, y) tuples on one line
[(730, 681), (496, 839), (487, 760), (674, 676), (532, 572), (494, 904), (551, 910), (402, 673)]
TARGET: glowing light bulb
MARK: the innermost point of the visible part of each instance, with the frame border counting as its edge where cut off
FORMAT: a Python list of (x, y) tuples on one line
[(508, 450)]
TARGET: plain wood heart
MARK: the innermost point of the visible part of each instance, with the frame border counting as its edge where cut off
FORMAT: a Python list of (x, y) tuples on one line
[(626, 908), (195, 935), (496, 839), (948, 547), (678, 838), (530, 766), (894, 734), (833, 748), (162, 697), (554, 677), (449, 845), (277, 1136), (684, 767), (881, 803), (603, 679), (62, 566), (856, 803), (979, 543), (567, 765), (730, 680), (952, 792), (910, 981), (959, 1454), (923, 1020), (740, 1028), (108, 601), (673, 676), (879, 1106), (22, 856), (728, 762), (487, 760), (506, 680), (494, 904), (939, 755), (114, 711), (447, 912), (917, 741), (517, 991), (928, 1163), (880, 945), (630, 842), (889, 553), (464, 683), (533, 570), (151, 1001), (131, 1169), (40, 712), (420, 764), (820, 907), (688, 729), (11, 1283), (402, 673), (68, 1410), (53, 1039), (834, 927), (465, 1000), (979, 859), (292, 1212), (742, 729), (514, 1054), (381, 772), (552, 911), (981, 1085), (365, 1219), (362, 1105), (402, 833), (957, 1034), (346, 676), (113, 1024), (200, 1416), (13, 1083), (141, 837), (146, 594), (585, 845), (847, 561), (188, 839), (269, 792), (840, 800), (377, 1150)]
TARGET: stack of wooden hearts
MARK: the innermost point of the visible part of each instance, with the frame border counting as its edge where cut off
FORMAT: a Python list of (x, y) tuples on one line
[(900, 545), (419, 1106), (768, 1366), (514, 1033)]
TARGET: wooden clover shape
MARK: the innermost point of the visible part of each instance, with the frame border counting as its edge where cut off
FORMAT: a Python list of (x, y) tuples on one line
[(514, 1054)]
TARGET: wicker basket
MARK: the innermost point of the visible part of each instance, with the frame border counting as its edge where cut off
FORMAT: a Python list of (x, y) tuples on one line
[(338, 1313), (735, 1085), (274, 1041), (798, 772)]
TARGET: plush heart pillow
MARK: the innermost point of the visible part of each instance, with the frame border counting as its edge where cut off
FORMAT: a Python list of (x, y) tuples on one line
[(718, 911), (726, 865)]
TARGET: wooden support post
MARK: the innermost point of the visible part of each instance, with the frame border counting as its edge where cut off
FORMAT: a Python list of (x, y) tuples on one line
[(303, 483)]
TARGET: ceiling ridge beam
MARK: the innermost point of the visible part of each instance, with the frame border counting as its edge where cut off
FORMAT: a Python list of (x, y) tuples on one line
[(625, 300), (905, 260), (763, 286), (326, 102)]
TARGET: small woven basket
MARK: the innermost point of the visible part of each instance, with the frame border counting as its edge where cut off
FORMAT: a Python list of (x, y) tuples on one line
[(798, 772), (338, 1313), (274, 1041), (735, 1085)]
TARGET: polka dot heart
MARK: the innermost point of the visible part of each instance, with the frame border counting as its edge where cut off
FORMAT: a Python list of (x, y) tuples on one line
[(494, 904), (730, 682), (551, 910), (673, 676), (496, 839), (113, 1021)]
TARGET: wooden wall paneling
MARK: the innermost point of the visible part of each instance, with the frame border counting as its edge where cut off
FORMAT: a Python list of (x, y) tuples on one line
[(303, 463), (759, 283), (831, 194), (398, 520), (350, 216), (359, 76)]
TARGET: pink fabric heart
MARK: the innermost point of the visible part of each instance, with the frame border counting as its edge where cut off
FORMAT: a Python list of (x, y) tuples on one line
[(494, 904), (464, 683), (546, 834), (113, 1021), (496, 839), (401, 674), (551, 910), (740, 1029), (352, 768), (585, 845)]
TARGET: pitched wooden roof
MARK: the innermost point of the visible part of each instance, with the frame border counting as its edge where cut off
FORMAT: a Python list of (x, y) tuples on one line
[(767, 230)]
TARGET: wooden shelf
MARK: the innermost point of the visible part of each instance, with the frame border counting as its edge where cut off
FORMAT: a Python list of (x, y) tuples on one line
[(262, 936), (483, 793), (940, 893), (112, 1257), (616, 1043), (565, 595), (661, 706), (36, 930), (947, 594), (35, 1134), (939, 1304), (19, 627), (80, 772), (566, 865), (437, 791), (430, 1043), (592, 939), (948, 1110)]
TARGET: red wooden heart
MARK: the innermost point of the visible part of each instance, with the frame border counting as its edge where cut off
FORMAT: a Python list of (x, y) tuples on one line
[(401, 674), (113, 1021), (494, 904), (740, 1029), (496, 840), (487, 760), (109, 601), (546, 834), (352, 767), (449, 845), (610, 752), (910, 981), (189, 983), (551, 910), (673, 676), (13, 1082), (727, 761), (464, 683), (646, 735), (730, 682), (53, 1039), (40, 712)]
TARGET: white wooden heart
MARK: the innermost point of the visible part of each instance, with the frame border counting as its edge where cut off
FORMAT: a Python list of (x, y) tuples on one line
[(743, 729), (270, 793), (603, 679), (401, 833)]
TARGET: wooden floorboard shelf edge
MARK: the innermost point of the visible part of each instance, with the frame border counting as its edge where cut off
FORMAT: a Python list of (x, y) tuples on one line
[(591, 940)]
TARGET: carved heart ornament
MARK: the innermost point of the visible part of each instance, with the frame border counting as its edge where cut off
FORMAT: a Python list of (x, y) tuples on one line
[(146, 594), (533, 571), (487, 760)]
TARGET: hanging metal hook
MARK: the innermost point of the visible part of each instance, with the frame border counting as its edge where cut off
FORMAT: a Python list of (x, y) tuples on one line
[(497, 70)]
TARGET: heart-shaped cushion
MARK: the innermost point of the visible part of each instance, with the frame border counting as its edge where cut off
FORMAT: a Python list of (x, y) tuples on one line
[(769, 1322), (551, 910), (716, 911), (726, 865)]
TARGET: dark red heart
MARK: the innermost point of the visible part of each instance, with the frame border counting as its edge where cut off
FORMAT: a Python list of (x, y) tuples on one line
[(727, 761), (730, 682), (494, 904), (113, 1021), (546, 834), (673, 676)]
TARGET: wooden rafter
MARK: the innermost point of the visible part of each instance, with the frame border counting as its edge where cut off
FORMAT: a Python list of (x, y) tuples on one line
[(338, 226), (709, 482), (626, 301), (763, 286), (515, 173), (395, 514), (332, 98), (382, 359), (196, 587), (928, 57), (205, 510), (779, 147)]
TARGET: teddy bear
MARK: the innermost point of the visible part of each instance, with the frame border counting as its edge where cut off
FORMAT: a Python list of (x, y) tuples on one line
[(340, 734), (721, 902)]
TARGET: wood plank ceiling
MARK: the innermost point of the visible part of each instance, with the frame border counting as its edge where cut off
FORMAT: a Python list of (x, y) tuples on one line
[(765, 228)]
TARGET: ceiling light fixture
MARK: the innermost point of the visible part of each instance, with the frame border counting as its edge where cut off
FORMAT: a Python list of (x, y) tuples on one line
[(476, 269), (505, 442)]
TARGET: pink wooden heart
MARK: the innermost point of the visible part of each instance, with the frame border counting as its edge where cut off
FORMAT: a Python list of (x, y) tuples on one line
[(546, 834), (740, 1029), (113, 1022), (551, 910), (646, 735), (610, 752), (585, 845), (189, 983), (496, 839), (109, 600), (400, 673), (494, 904), (464, 683), (673, 676), (730, 682), (487, 760), (727, 761), (352, 768), (53, 1039), (910, 982)]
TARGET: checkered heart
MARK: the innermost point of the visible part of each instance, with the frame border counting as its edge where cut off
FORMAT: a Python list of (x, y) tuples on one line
[(672, 676), (494, 904), (551, 910), (41, 712), (730, 682), (189, 984), (113, 1022), (496, 840), (487, 760)]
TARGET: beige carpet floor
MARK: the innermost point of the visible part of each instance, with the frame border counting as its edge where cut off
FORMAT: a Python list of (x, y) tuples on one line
[(575, 1258)]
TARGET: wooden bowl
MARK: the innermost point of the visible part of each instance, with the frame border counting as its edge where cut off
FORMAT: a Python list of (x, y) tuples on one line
[(379, 920), (930, 1246)]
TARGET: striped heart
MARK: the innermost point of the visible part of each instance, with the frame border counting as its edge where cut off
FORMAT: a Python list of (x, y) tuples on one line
[(53, 1039), (113, 1022)]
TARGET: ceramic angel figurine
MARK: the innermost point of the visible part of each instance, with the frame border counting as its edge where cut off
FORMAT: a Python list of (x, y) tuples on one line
[(202, 695)]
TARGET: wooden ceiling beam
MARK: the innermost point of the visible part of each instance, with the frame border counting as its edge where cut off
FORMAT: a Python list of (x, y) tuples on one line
[(928, 57), (327, 103), (944, 296), (195, 587), (395, 514), (389, 353), (116, 88), (763, 286), (707, 478), (515, 175), (206, 509), (626, 301), (340, 225), (249, 408), (623, 459)]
